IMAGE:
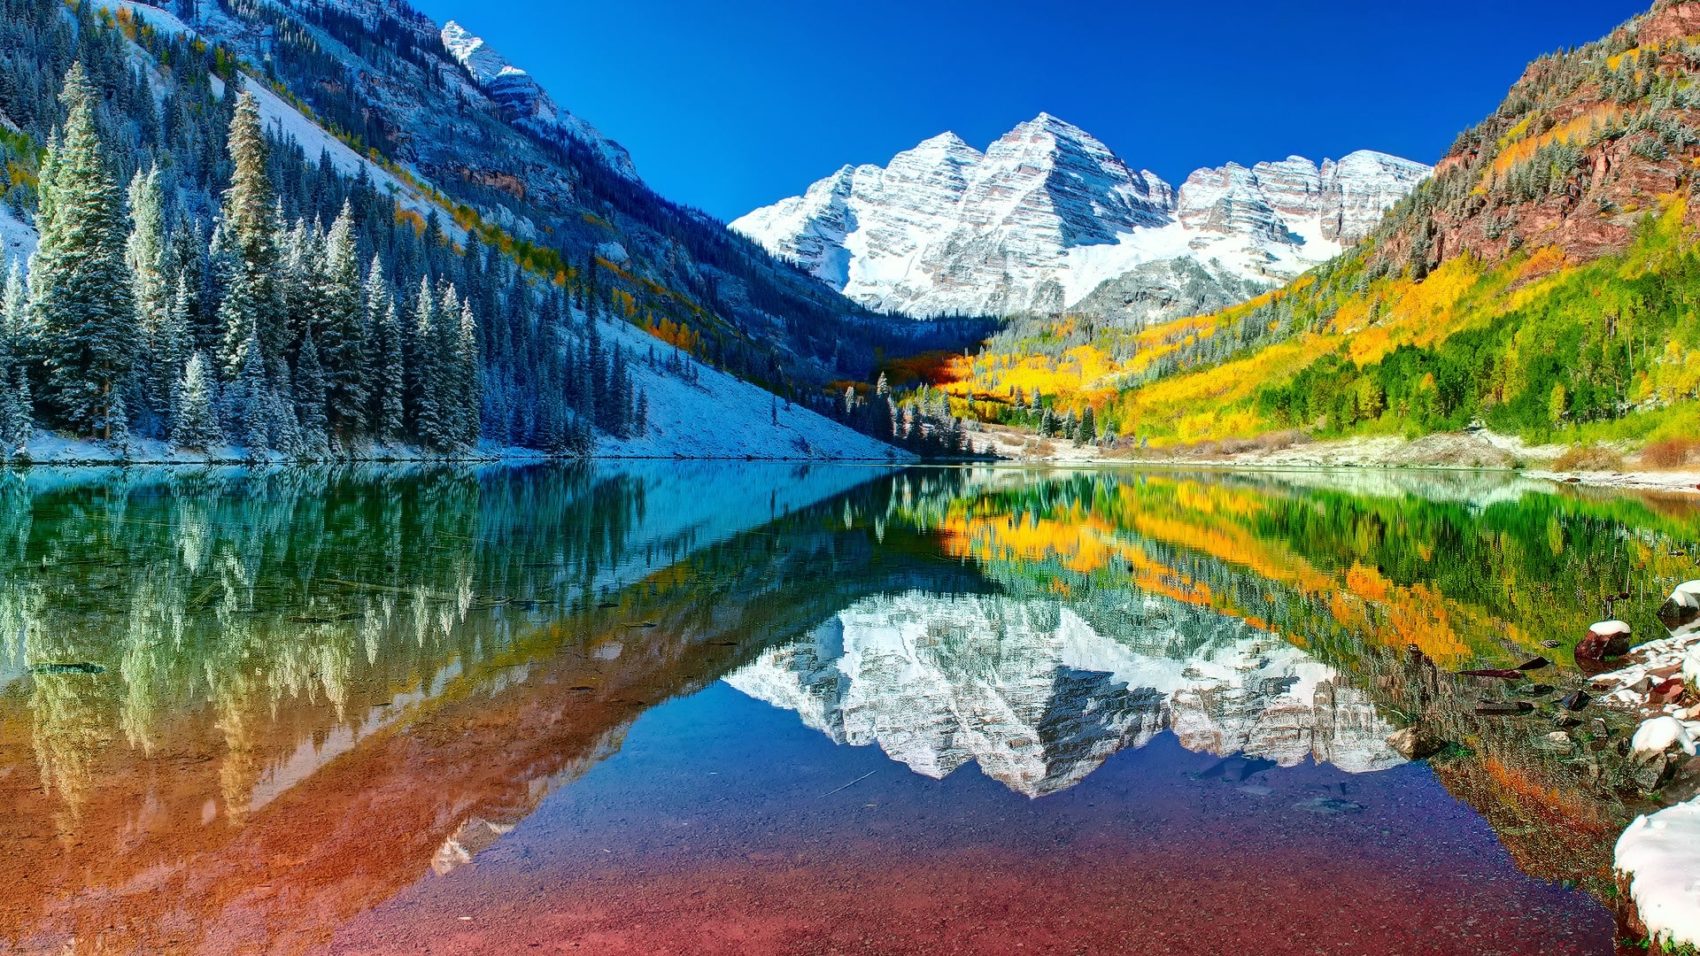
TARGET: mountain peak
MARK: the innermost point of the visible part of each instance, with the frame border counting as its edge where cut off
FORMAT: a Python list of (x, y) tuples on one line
[(522, 99), (1048, 213)]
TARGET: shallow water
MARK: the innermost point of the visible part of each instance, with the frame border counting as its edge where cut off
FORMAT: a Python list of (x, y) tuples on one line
[(692, 707)]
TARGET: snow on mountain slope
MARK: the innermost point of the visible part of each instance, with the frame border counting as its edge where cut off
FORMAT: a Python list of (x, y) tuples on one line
[(1048, 214), (284, 119), (721, 416), (17, 240), (523, 98), (1039, 698)]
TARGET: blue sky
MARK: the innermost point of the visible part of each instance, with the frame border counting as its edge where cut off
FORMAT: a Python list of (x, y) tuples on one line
[(730, 105)]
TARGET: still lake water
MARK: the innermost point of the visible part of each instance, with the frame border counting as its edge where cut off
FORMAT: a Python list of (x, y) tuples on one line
[(690, 707)]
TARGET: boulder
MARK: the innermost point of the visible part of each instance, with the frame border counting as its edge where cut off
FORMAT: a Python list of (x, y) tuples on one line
[(1415, 742), (1660, 734), (1605, 639), (1682, 608)]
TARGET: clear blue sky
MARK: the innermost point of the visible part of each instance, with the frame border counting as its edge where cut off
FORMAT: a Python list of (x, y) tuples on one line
[(731, 104)]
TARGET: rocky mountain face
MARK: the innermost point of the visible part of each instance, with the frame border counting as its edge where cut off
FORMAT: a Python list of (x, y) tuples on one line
[(1048, 215), (1584, 144), (523, 100), (1039, 698)]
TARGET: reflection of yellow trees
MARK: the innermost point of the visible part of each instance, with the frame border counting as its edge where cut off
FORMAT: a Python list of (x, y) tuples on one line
[(1149, 532), (71, 722)]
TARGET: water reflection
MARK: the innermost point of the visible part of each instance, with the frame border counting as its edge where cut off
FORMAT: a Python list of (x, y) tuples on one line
[(1039, 697), (238, 707)]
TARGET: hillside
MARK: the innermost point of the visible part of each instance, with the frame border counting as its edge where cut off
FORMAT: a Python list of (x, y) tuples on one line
[(1540, 283), (1049, 217), (416, 251)]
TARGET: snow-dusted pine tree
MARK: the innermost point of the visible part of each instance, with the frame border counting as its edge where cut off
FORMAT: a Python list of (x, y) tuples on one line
[(342, 345), (144, 254), (424, 370), (79, 287), (471, 395), (195, 425), (389, 379), (253, 305), (310, 394)]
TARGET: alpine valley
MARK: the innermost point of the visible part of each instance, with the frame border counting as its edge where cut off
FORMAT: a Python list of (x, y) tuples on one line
[(1532, 299)]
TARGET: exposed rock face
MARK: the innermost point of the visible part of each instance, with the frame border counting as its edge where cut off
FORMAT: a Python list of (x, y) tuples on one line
[(523, 99), (1626, 151), (1048, 213), (1039, 699), (1165, 289)]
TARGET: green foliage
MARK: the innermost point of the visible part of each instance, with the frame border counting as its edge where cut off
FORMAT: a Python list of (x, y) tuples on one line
[(1587, 348)]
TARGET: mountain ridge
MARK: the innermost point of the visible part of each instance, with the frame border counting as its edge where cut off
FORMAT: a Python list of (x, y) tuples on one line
[(1047, 214)]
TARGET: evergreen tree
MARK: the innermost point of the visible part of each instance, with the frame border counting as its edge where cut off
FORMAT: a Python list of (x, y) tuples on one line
[(424, 370), (1087, 432), (174, 342), (249, 400), (194, 425), (253, 306), (310, 392), (79, 287), (391, 381), (470, 394), (343, 349), (144, 254)]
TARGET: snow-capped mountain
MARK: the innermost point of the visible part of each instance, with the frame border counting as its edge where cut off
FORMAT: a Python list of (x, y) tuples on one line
[(1039, 698), (1048, 214)]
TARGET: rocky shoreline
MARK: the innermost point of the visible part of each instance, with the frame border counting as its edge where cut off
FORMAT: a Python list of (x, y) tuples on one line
[(1458, 451), (1657, 858)]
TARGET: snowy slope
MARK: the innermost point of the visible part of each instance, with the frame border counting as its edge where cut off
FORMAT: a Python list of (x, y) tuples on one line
[(721, 416), (1048, 214), (17, 240)]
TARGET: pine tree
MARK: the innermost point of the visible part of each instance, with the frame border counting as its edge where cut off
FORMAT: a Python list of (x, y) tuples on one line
[(343, 349), (174, 342), (1087, 433), (194, 425), (14, 306), (469, 391), (249, 400), (392, 380), (423, 365), (310, 392), (144, 254), (253, 306), (79, 287)]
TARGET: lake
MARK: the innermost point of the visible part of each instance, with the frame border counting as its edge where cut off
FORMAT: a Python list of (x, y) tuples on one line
[(774, 708)]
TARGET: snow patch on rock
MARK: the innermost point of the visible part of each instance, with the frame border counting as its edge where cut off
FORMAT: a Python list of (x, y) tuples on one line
[(1660, 857)]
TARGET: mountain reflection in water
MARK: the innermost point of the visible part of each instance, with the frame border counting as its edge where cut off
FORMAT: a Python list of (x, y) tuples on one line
[(252, 710), (1039, 697)]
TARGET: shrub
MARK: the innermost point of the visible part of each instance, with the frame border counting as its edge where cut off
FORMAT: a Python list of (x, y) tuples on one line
[(1589, 458), (1669, 453)]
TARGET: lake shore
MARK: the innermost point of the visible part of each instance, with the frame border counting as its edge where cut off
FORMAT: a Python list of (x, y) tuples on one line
[(1466, 451)]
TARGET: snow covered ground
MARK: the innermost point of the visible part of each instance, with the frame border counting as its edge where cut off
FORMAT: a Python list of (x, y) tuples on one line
[(721, 416), (283, 119), (17, 240)]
